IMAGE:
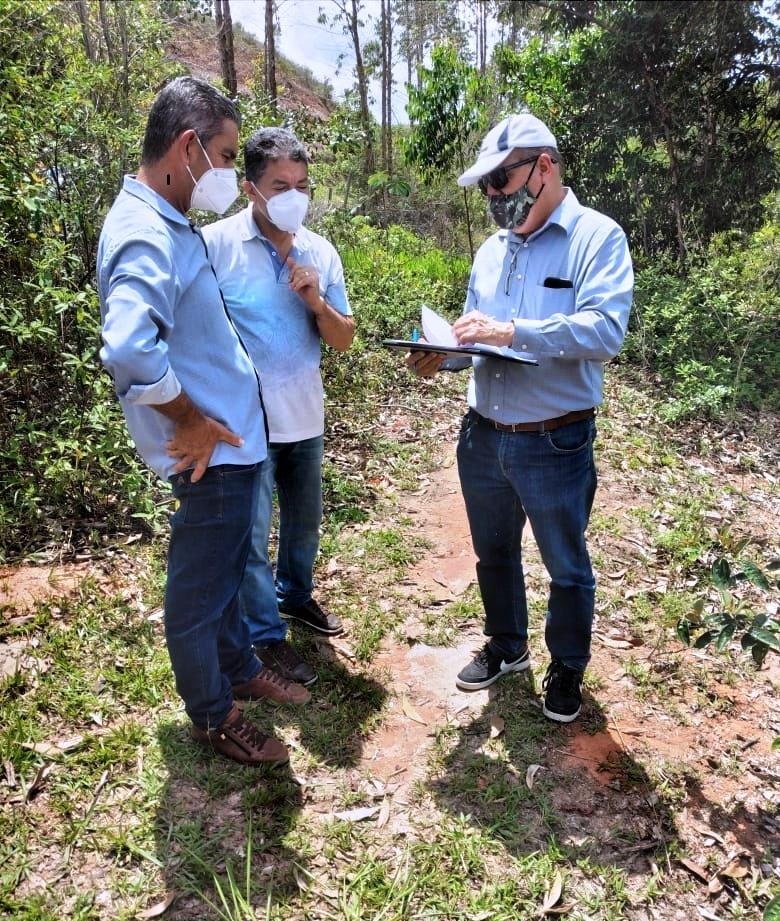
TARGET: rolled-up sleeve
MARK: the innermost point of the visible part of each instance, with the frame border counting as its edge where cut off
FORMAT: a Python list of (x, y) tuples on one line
[(596, 328), (139, 291)]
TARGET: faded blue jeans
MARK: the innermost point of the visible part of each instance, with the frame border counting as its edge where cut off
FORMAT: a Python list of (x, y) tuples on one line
[(549, 480), (208, 641), (295, 468)]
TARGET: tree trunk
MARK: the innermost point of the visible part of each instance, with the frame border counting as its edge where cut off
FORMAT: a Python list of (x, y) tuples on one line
[(386, 40), (89, 48), (365, 115), (389, 164), (225, 45), (270, 54), (106, 31)]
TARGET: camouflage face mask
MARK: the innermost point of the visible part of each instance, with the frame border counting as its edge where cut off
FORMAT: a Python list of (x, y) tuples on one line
[(510, 211)]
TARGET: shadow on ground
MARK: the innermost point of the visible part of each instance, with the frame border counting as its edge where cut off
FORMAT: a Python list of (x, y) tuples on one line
[(601, 807), (222, 825)]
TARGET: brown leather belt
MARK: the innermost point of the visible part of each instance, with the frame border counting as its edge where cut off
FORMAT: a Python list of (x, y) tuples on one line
[(547, 425)]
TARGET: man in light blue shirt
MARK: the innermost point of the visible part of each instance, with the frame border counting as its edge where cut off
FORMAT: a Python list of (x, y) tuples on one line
[(193, 405), (284, 290), (554, 283)]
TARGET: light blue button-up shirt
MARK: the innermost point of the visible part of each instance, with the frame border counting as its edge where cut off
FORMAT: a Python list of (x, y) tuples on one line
[(165, 329), (277, 326), (571, 329)]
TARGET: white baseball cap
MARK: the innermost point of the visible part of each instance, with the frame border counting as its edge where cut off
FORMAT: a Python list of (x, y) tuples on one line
[(514, 131)]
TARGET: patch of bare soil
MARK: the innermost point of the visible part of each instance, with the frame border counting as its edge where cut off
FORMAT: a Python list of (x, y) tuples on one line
[(681, 761)]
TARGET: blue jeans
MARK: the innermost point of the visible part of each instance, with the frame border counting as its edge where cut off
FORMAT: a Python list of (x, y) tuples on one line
[(208, 642), (296, 469), (548, 479)]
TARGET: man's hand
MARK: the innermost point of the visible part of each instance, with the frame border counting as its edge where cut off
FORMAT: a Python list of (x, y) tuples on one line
[(478, 327), (305, 281), (194, 442), (195, 435), (424, 364)]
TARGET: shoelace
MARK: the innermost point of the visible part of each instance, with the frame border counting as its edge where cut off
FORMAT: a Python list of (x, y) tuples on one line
[(568, 677), (248, 733), (275, 678)]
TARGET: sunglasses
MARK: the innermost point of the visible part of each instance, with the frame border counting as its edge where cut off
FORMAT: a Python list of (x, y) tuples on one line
[(498, 177)]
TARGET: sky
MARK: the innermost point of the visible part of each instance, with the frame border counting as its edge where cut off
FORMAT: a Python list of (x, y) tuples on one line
[(305, 41)]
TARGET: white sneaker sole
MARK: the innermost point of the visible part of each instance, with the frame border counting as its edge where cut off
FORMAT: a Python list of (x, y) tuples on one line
[(519, 666), (561, 717)]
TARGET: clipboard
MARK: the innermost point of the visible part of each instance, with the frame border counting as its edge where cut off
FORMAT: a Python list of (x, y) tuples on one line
[(408, 345)]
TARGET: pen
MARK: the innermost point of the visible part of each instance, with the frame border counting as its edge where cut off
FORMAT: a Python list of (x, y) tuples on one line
[(415, 334)]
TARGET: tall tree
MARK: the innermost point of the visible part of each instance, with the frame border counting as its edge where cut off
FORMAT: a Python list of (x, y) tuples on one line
[(348, 16), (675, 138), (269, 63), (447, 114), (386, 79), (227, 57)]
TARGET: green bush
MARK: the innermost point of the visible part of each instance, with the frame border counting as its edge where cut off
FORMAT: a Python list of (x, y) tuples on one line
[(712, 332)]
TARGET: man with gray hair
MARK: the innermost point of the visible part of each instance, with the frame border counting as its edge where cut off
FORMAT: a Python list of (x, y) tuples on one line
[(554, 283), (284, 290), (193, 405)]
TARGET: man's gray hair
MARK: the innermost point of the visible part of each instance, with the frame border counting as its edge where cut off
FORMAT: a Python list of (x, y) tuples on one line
[(185, 103), (525, 152), (267, 145)]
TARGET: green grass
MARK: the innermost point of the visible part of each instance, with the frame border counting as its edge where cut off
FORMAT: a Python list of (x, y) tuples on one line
[(137, 802)]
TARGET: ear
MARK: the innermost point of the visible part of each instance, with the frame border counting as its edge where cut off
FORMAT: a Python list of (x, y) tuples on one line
[(545, 163), (249, 190), (183, 145)]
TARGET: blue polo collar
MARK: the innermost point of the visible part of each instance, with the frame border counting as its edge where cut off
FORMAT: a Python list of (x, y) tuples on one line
[(145, 193)]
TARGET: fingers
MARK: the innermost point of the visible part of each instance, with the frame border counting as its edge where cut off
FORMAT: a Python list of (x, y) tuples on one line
[(424, 364), (224, 434), (200, 468)]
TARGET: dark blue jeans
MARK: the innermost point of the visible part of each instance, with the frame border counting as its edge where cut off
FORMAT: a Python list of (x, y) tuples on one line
[(295, 469), (548, 479), (208, 641)]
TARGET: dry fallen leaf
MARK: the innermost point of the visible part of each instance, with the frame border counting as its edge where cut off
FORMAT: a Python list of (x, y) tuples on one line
[(156, 910), (357, 815), (496, 726), (530, 774), (553, 895), (734, 869), (409, 710), (384, 813), (38, 781), (693, 867)]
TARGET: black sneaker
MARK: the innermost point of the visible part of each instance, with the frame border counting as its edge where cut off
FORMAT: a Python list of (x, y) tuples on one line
[(314, 617), (562, 688), (285, 661), (487, 667)]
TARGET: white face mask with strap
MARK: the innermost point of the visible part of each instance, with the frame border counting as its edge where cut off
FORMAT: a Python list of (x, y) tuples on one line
[(286, 210), (216, 190)]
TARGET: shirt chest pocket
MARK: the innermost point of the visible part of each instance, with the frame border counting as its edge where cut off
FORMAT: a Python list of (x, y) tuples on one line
[(549, 301)]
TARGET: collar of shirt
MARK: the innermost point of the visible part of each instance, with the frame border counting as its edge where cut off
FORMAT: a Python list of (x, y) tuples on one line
[(301, 240), (564, 216), (147, 194)]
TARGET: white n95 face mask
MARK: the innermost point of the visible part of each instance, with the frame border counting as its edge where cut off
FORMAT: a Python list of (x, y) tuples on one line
[(216, 190), (286, 210)]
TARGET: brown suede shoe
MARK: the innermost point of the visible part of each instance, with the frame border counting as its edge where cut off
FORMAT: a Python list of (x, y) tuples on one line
[(268, 684), (242, 741)]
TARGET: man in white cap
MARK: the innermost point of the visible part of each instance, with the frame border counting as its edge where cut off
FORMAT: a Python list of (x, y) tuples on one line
[(555, 284)]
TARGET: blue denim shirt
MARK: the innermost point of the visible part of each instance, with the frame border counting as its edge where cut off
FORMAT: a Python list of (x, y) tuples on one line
[(571, 329), (165, 329)]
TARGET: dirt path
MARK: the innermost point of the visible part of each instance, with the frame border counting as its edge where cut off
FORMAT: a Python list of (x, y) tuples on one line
[(709, 735)]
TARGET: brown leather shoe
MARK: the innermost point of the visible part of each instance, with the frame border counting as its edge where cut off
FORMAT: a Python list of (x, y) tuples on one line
[(271, 685), (242, 741)]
